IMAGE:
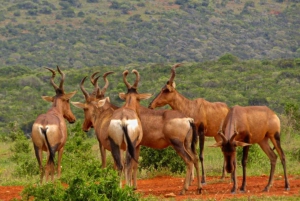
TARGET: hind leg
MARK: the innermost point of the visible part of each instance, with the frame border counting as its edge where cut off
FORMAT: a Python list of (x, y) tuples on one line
[(135, 168), (201, 156), (179, 148), (272, 156), (276, 143), (116, 153), (39, 156), (195, 161)]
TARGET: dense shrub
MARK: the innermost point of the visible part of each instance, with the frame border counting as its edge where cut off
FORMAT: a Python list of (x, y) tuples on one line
[(157, 159)]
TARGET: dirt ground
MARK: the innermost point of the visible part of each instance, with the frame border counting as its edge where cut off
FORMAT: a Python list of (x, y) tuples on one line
[(215, 189)]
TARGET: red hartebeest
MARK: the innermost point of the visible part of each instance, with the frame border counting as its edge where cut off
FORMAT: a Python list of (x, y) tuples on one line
[(161, 128), (249, 125), (49, 131), (96, 116), (125, 128), (207, 115)]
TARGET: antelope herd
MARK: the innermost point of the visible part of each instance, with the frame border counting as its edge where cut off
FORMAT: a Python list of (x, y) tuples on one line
[(124, 129)]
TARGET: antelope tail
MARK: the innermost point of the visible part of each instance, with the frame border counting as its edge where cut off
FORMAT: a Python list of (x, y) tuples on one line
[(51, 157), (130, 147)]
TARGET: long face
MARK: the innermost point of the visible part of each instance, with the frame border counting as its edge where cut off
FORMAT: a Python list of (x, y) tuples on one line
[(88, 117), (67, 112), (229, 152), (163, 98)]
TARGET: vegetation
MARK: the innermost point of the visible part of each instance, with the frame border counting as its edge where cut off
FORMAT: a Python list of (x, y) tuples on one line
[(87, 33), (274, 83)]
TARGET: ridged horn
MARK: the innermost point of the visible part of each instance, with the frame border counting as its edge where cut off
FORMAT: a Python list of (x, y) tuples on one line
[(85, 93), (125, 73), (61, 85), (137, 78), (173, 73), (106, 81), (52, 79)]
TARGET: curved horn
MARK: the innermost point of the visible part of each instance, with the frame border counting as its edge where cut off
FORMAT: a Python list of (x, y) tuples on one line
[(92, 79), (125, 73), (52, 78), (85, 93), (97, 92), (221, 126), (61, 86), (173, 72), (137, 78), (106, 81), (222, 136), (235, 133)]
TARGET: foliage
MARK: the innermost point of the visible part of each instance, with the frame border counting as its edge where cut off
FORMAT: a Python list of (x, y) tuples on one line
[(26, 164), (157, 159), (122, 32)]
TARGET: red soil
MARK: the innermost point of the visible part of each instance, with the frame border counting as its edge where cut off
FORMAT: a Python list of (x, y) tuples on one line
[(215, 189)]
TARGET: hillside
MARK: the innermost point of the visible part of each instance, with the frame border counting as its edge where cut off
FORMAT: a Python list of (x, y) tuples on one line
[(87, 33), (275, 83)]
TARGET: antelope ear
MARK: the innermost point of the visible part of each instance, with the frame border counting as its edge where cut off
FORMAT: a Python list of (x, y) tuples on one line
[(174, 84), (69, 95), (122, 96), (218, 144), (79, 105), (144, 96), (107, 99), (101, 103), (47, 98), (171, 88), (241, 144)]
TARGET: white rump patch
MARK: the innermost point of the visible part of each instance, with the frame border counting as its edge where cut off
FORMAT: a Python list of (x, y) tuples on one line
[(132, 124)]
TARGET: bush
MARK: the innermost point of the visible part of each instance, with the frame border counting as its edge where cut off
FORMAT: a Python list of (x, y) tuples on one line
[(228, 59), (157, 159)]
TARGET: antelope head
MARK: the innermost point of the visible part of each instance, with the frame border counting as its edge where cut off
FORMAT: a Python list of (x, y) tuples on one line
[(132, 96), (167, 93), (89, 107), (228, 147), (61, 99)]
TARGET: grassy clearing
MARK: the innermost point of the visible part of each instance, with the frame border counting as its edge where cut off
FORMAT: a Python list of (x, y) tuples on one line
[(258, 163)]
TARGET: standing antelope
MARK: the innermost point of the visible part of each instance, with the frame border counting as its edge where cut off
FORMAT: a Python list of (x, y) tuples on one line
[(49, 131), (245, 126), (96, 117), (125, 128), (161, 128), (207, 115)]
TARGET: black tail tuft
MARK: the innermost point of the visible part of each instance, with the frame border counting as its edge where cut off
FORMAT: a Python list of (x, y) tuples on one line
[(195, 137), (52, 155), (131, 149)]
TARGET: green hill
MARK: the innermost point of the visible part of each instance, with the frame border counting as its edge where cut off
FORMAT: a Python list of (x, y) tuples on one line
[(275, 83), (87, 33)]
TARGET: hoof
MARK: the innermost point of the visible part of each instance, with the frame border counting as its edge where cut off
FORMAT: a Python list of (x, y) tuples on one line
[(233, 191), (266, 190), (203, 183), (182, 192), (199, 191), (287, 189)]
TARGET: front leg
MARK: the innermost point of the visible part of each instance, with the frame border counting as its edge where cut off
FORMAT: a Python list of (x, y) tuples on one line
[(234, 179), (244, 164)]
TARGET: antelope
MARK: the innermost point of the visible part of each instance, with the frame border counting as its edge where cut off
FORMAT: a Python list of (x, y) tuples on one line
[(49, 131), (125, 128), (161, 128), (96, 117), (207, 115), (243, 127)]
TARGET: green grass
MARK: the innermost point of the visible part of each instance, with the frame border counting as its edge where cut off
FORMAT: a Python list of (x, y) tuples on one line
[(213, 161)]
